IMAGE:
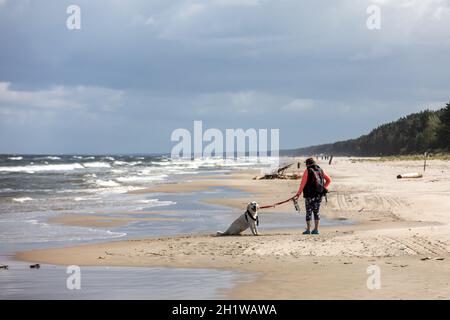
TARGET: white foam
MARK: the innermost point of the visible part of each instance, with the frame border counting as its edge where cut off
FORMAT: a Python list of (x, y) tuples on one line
[(118, 171), (96, 165), (35, 231), (156, 202), (15, 158), (39, 168), (107, 183), (48, 158), (22, 200), (124, 163), (118, 190), (142, 178), (90, 175), (81, 199), (165, 163)]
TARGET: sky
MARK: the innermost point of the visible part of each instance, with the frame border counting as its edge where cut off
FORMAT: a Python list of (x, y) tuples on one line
[(137, 70)]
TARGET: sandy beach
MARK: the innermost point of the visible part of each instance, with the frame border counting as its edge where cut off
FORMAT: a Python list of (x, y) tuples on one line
[(401, 226)]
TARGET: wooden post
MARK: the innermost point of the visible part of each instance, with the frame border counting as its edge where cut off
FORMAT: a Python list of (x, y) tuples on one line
[(331, 159), (425, 161)]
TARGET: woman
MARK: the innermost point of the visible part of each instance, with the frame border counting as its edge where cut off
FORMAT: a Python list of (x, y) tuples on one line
[(314, 186)]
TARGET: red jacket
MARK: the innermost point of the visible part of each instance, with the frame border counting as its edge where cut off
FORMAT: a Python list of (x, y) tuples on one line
[(305, 180)]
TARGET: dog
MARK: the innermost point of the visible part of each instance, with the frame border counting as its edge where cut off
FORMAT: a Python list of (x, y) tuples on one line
[(248, 220)]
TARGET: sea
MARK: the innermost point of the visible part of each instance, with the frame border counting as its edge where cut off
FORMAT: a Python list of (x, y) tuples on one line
[(34, 188)]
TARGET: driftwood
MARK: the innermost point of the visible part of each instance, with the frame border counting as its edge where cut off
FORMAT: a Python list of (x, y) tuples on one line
[(280, 173), (410, 175), (282, 170), (3, 267)]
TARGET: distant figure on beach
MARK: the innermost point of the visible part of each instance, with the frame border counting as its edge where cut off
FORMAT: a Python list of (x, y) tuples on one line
[(314, 186)]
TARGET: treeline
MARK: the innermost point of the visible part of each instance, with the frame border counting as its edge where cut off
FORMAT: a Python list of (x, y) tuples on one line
[(426, 131)]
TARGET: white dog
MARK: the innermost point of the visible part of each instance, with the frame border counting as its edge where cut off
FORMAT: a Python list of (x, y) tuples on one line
[(248, 220)]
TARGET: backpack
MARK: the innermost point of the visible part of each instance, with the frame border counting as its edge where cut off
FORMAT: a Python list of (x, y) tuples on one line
[(318, 180)]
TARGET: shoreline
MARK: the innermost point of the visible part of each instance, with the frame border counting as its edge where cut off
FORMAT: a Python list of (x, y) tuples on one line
[(392, 232)]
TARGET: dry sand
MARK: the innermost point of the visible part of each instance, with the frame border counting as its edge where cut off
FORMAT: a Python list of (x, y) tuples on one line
[(403, 227)]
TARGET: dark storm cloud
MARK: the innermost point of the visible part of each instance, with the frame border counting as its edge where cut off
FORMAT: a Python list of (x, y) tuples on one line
[(139, 69)]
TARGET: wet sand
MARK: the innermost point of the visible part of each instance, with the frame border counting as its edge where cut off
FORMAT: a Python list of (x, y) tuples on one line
[(96, 221), (403, 227)]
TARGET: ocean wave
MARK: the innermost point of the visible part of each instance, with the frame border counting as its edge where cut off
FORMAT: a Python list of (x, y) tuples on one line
[(47, 158), (22, 199), (117, 190), (156, 202), (118, 171), (178, 172), (160, 177), (39, 168), (35, 231), (15, 158), (107, 183), (163, 164), (96, 164), (78, 199), (90, 175), (124, 163), (109, 187)]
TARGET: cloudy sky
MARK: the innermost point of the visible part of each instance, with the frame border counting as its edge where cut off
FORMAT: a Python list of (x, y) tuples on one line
[(138, 69)]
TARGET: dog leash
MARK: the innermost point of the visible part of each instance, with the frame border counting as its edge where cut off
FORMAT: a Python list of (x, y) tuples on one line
[(277, 204), (290, 199)]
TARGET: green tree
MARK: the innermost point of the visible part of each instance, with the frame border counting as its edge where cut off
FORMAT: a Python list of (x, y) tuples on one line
[(444, 129), (416, 133), (431, 131)]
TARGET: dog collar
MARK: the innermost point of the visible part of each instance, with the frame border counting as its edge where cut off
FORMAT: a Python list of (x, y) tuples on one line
[(249, 214)]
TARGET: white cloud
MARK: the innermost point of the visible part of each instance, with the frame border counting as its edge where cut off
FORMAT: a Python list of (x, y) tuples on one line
[(238, 102), (57, 99), (237, 3), (299, 105), (247, 102), (191, 9), (140, 20)]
